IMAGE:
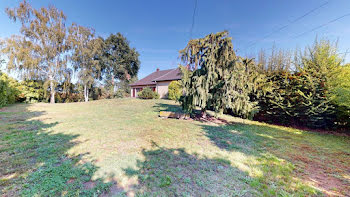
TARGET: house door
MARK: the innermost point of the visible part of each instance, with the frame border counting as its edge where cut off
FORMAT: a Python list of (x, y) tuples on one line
[(133, 92)]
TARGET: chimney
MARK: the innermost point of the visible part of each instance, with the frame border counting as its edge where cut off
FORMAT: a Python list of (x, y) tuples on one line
[(157, 70)]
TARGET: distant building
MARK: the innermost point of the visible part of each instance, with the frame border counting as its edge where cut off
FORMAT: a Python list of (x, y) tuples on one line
[(158, 81)]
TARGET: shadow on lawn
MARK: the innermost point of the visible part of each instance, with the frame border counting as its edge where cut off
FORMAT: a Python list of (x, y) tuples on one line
[(33, 160), (283, 155), (167, 107), (285, 158), (174, 172)]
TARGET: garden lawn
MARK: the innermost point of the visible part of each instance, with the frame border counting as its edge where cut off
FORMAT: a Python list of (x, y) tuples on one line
[(121, 147)]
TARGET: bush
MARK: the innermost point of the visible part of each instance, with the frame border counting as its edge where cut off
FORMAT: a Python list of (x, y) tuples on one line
[(155, 95), (32, 91), (147, 93), (175, 90), (8, 90), (121, 93)]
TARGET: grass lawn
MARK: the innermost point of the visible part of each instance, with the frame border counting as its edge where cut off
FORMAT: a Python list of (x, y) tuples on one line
[(121, 147)]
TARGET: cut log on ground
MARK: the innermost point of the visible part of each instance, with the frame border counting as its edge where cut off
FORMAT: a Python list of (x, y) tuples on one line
[(177, 115)]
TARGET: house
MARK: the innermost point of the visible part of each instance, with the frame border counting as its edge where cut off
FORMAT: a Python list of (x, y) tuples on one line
[(158, 81)]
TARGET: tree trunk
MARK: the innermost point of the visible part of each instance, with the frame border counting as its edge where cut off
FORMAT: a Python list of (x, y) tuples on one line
[(52, 92), (86, 93), (113, 84), (221, 111), (203, 113)]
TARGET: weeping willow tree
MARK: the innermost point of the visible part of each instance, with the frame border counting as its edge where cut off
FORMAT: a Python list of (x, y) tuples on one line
[(215, 78)]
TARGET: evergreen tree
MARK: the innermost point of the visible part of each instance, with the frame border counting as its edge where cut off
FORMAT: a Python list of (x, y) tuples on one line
[(320, 65), (215, 78)]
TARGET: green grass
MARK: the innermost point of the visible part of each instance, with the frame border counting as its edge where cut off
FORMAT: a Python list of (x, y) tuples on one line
[(121, 147)]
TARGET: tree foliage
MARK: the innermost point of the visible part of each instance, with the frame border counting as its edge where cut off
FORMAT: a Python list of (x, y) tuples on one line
[(147, 93), (311, 89), (120, 62), (8, 90), (45, 47), (307, 95), (40, 52), (175, 90), (341, 90), (321, 65), (215, 78), (32, 91), (86, 50)]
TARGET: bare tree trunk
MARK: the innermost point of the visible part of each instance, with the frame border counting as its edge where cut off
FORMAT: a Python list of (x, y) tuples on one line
[(203, 113), (86, 93), (52, 92), (221, 111), (113, 84)]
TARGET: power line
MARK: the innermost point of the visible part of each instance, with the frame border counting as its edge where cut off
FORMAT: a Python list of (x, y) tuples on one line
[(323, 25), (346, 52), (292, 22), (311, 11), (193, 17)]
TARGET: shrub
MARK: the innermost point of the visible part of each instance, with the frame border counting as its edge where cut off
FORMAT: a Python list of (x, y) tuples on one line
[(147, 93), (32, 91), (175, 90), (121, 93), (155, 95), (8, 90)]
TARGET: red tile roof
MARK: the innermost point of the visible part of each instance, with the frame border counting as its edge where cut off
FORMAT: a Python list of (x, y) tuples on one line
[(159, 75)]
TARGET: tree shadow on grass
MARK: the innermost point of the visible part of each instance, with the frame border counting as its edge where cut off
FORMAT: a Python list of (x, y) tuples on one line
[(287, 159), (250, 139), (34, 161), (167, 107), (174, 172), (274, 173)]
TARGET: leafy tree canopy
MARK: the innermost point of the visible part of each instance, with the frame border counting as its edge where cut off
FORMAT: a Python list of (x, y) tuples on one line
[(86, 49), (119, 61), (40, 51)]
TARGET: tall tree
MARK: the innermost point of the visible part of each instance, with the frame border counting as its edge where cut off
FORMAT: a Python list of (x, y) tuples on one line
[(278, 61), (86, 50), (320, 65), (1, 55), (120, 62), (41, 51), (215, 78)]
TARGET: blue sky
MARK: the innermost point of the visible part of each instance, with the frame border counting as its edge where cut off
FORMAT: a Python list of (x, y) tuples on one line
[(158, 29)]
